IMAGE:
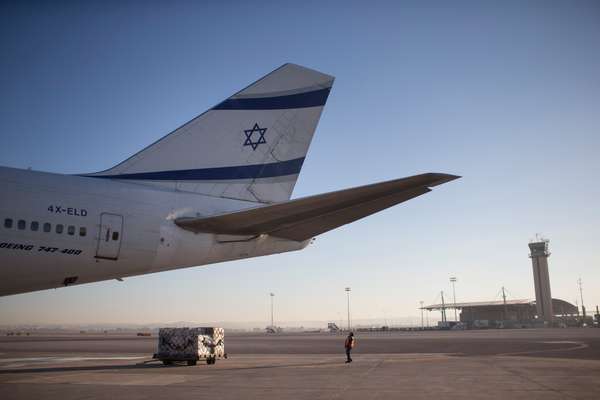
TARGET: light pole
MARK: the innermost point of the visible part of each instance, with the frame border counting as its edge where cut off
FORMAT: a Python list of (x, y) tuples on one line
[(348, 295), (422, 326), (581, 294), (453, 280), (272, 323), (504, 302), (443, 309)]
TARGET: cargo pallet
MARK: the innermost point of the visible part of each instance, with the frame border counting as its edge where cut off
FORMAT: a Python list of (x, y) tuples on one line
[(190, 345)]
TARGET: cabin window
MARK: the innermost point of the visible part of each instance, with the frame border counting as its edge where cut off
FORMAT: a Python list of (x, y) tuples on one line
[(82, 231), (115, 236), (47, 227), (59, 228), (35, 226), (71, 230), (21, 224), (8, 223)]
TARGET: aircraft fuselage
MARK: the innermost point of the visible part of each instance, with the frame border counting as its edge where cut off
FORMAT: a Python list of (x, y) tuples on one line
[(58, 230)]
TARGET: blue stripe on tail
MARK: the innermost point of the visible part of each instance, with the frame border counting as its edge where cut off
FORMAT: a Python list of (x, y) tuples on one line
[(256, 171), (300, 100)]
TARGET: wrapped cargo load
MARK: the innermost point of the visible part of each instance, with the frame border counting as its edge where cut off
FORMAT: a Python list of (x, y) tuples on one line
[(191, 345)]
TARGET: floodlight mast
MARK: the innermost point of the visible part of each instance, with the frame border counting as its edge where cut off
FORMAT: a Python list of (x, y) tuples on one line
[(504, 302), (272, 323), (443, 309), (453, 280), (580, 283), (348, 297)]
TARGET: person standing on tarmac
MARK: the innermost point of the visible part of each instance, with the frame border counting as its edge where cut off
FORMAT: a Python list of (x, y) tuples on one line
[(349, 345)]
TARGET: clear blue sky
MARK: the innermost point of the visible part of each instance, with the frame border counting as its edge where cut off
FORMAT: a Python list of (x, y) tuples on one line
[(506, 94)]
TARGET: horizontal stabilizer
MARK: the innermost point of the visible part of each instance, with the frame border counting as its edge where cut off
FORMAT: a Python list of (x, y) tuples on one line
[(301, 219)]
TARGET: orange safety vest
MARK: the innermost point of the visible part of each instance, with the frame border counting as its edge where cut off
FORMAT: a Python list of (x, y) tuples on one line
[(349, 344)]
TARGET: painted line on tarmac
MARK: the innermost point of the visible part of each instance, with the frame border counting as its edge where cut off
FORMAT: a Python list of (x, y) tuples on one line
[(578, 346)]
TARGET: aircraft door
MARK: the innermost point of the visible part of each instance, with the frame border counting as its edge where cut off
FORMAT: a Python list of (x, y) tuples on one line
[(109, 239)]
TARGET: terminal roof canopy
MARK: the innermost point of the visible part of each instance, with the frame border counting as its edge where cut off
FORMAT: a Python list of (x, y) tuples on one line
[(558, 305)]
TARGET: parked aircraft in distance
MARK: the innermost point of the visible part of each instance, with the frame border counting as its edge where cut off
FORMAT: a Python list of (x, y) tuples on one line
[(217, 188)]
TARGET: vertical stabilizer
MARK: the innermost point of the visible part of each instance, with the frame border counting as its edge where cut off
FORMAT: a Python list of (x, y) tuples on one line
[(249, 147)]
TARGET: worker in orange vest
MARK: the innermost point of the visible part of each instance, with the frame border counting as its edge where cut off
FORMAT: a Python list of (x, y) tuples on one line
[(349, 345)]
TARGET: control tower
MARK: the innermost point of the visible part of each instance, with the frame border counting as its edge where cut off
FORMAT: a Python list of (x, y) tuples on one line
[(539, 260)]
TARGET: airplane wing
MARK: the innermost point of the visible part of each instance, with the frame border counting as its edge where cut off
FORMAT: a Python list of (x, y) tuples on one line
[(303, 218)]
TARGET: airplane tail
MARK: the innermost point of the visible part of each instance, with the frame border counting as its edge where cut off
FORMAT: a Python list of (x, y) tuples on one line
[(248, 147)]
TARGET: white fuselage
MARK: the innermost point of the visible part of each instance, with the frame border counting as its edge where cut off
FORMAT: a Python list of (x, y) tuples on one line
[(110, 229)]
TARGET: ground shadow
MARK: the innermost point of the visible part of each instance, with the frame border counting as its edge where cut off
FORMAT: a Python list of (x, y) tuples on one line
[(86, 368), (152, 366)]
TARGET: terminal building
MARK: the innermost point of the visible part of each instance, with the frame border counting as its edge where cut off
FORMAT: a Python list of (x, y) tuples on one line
[(512, 312), (544, 310)]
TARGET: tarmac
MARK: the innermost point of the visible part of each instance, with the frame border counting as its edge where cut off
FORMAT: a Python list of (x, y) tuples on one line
[(493, 364)]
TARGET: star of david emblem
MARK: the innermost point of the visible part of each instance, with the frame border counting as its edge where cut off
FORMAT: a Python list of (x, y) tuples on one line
[(250, 135)]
